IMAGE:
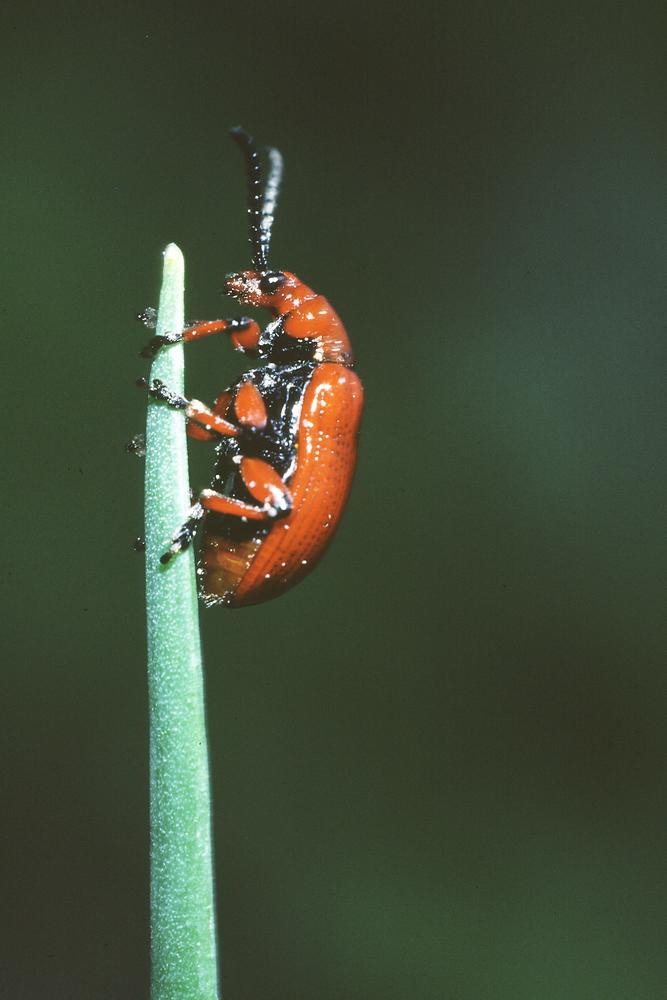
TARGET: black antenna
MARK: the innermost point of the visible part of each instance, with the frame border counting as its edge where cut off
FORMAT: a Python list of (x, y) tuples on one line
[(261, 205), (270, 196)]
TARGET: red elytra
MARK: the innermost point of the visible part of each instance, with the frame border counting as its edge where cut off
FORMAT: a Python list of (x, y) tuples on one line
[(285, 432)]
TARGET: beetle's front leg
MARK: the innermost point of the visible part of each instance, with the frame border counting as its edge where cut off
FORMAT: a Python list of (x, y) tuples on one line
[(244, 334)]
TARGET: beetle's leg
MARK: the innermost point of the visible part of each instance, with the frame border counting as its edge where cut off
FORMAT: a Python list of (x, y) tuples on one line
[(220, 408), (249, 406), (244, 334), (182, 538), (137, 445), (262, 482), (148, 317), (194, 408), (220, 504)]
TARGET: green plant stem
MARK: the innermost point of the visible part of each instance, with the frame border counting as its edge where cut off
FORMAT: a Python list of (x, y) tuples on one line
[(183, 947)]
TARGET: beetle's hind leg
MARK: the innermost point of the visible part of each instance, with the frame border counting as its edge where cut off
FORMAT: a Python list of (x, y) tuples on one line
[(264, 485), (185, 534), (262, 482)]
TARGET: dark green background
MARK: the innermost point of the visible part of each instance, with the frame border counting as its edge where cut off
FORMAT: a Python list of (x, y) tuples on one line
[(439, 764)]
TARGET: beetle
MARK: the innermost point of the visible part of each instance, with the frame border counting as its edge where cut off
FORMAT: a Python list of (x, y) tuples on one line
[(285, 433)]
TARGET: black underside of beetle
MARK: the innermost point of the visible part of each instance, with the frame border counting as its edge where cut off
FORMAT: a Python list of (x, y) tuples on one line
[(282, 388), (278, 346)]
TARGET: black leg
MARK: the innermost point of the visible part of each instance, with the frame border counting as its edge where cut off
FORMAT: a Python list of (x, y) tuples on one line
[(183, 537)]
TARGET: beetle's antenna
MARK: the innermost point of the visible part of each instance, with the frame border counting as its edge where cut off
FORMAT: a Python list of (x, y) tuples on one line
[(254, 172), (261, 206), (270, 196)]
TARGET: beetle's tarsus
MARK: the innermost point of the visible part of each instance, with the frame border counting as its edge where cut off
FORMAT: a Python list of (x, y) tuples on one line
[(136, 445), (148, 317), (158, 390), (185, 534), (156, 343)]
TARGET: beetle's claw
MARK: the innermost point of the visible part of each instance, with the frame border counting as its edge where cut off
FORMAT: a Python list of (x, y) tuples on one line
[(136, 446), (148, 317), (160, 340), (158, 390)]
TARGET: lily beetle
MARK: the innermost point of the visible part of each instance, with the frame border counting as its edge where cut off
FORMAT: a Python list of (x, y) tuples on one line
[(285, 433)]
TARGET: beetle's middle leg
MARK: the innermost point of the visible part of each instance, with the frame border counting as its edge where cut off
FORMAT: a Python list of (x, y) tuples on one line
[(195, 410), (246, 405)]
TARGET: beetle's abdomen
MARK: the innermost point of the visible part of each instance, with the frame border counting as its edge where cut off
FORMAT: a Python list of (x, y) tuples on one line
[(223, 562), (326, 453), (230, 543)]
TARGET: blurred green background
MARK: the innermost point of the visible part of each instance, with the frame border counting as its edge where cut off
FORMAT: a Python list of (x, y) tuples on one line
[(439, 764)]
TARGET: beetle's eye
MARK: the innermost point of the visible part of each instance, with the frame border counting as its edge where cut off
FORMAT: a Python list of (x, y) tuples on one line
[(270, 281)]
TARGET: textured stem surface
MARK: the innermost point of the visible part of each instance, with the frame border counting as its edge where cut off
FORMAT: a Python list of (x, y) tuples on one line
[(183, 948)]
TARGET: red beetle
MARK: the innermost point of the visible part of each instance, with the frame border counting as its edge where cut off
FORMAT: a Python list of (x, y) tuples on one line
[(286, 432)]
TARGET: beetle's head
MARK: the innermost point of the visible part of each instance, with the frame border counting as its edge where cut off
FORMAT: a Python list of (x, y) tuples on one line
[(275, 290)]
